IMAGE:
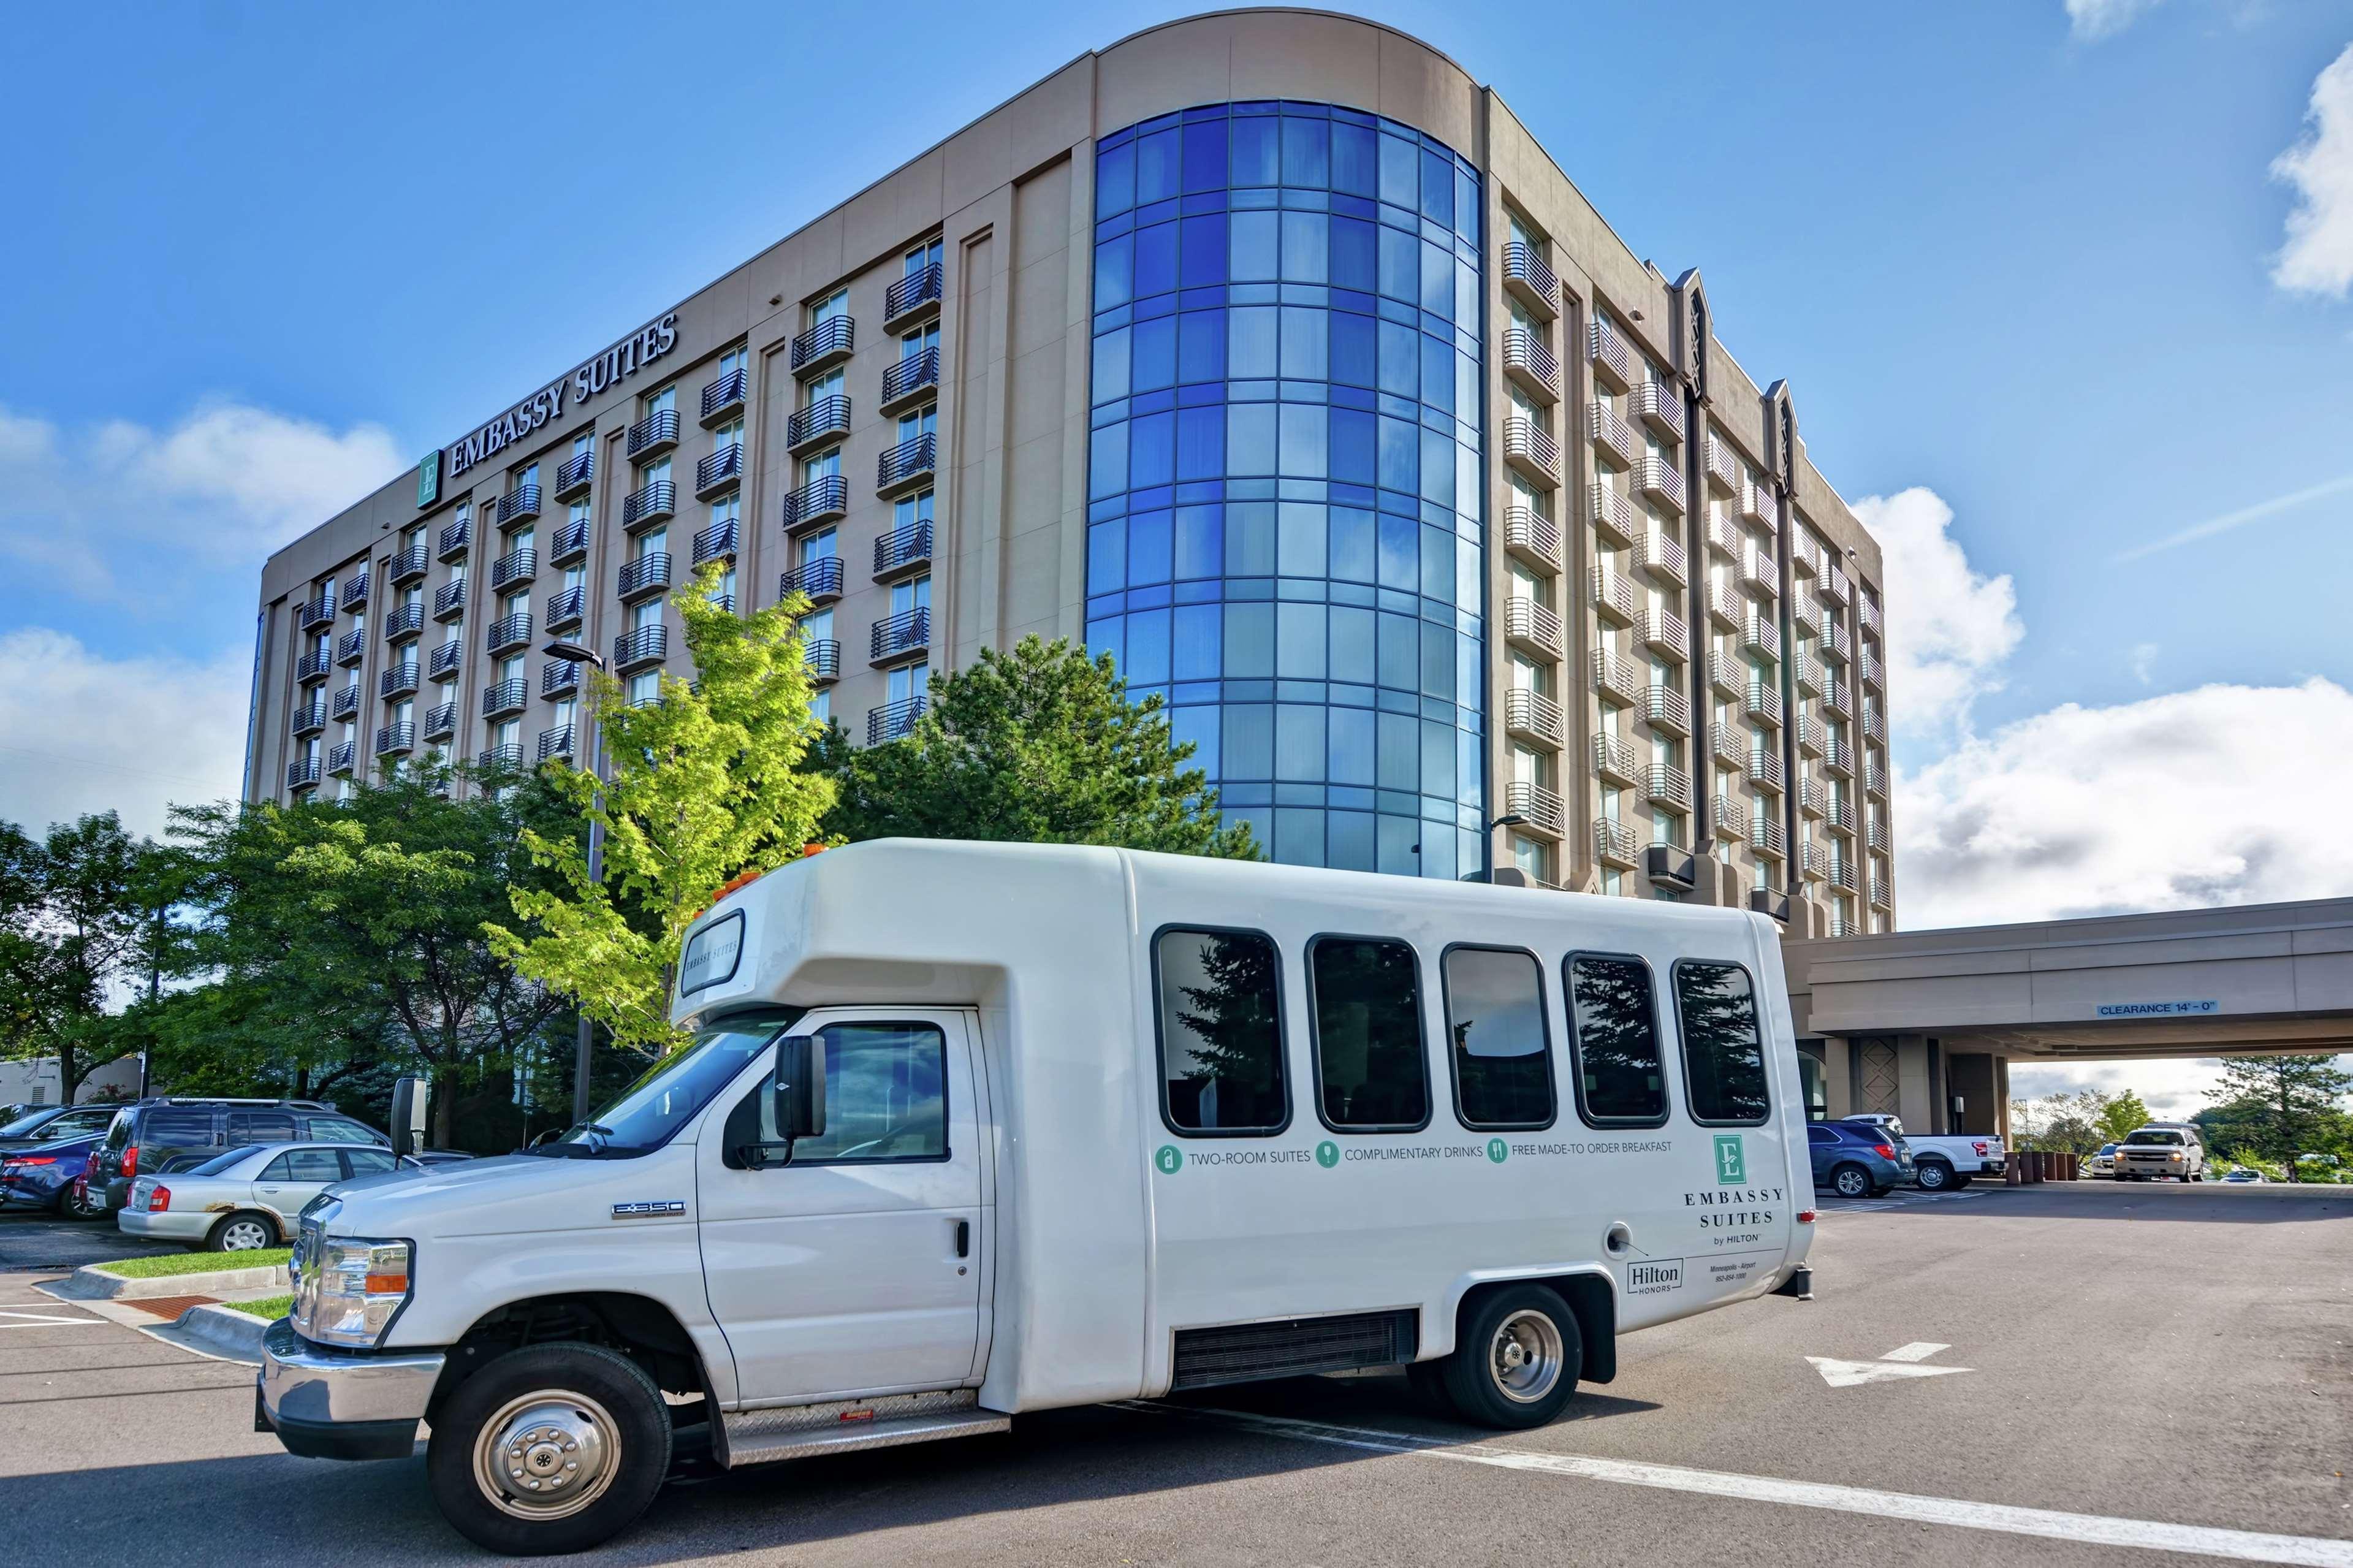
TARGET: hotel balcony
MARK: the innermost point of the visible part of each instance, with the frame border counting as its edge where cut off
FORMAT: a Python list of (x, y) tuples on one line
[(902, 550), (1614, 844), (497, 759), (1723, 468), (1726, 608), (1730, 821), (1612, 436), (396, 739), (1872, 672), (1606, 350), (1663, 557), (1529, 448), (1662, 481), (508, 696), (1805, 613), (355, 592), (1838, 643), (1837, 816), (1809, 798), (1765, 901), (312, 718), (1671, 865), (408, 566), (653, 435), (575, 474), (1661, 407), (402, 622), (1835, 698), (454, 539), (1665, 633), (1838, 755), (441, 721), (1533, 716), (443, 662), (1874, 779), (1614, 762), (555, 741), (1667, 710), (559, 678), (1530, 364), (1875, 724), (342, 759), (1618, 678), (1759, 635), (568, 543), (1668, 786), (821, 500), (724, 398), (1881, 897), (912, 297), (1876, 835), (1534, 627), (352, 646), (1612, 513), (907, 465), (721, 470), (520, 504), (822, 657), (893, 720), (508, 632), (1760, 580), (1806, 675), (1868, 614), (567, 606), (718, 543), (302, 773), (1762, 704), (1834, 583), (1805, 561), (898, 639), (1810, 736), (649, 574), (646, 645), (1765, 771), (314, 613), (648, 503), (1728, 675), (397, 680), (820, 581), (824, 420), (1528, 280), (1767, 837), (1730, 745), (915, 377), (1723, 537), (513, 569), (1533, 538), (1840, 874), (827, 343), (1544, 809), (1614, 597), (1757, 507)]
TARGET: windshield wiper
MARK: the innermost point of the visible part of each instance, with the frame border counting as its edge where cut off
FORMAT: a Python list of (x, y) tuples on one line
[(552, 1144)]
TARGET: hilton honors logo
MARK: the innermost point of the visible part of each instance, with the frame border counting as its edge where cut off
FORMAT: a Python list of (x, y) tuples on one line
[(1652, 1278)]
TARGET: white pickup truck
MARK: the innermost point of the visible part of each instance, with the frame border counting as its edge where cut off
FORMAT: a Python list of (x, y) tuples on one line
[(1946, 1163), (2159, 1150)]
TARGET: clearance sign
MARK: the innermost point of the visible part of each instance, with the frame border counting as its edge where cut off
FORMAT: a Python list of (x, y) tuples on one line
[(546, 405)]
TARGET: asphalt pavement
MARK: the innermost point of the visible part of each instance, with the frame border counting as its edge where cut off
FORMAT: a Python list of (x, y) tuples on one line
[(2006, 1376)]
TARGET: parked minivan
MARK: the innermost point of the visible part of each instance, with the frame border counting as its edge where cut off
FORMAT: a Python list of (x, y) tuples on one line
[(148, 1132), (962, 1130)]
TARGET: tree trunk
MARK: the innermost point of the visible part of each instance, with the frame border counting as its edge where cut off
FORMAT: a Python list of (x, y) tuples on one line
[(445, 1112)]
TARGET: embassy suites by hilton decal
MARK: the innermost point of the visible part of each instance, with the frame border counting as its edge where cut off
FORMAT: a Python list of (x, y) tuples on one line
[(545, 407)]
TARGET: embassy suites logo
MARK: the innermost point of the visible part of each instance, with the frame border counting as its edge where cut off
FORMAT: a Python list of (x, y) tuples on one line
[(546, 406)]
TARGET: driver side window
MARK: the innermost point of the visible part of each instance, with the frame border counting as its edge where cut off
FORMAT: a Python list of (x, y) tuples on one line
[(885, 1097)]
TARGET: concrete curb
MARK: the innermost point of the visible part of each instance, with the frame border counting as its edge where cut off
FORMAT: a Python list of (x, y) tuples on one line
[(224, 1330), (90, 1282)]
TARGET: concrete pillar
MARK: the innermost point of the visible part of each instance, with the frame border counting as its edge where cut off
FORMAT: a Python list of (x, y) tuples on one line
[(1837, 1077), (1915, 1101)]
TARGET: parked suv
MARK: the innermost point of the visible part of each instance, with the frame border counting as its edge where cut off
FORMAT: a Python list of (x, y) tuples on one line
[(51, 1124), (1855, 1159), (146, 1134), (2161, 1149)]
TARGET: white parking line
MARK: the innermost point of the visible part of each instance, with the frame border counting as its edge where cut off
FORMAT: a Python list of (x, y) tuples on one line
[(2097, 1530), (43, 1321)]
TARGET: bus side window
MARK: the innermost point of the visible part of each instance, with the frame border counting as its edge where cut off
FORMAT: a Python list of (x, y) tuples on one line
[(1613, 1025), (1219, 1000), (1724, 1053), (1496, 1038), (1372, 1073)]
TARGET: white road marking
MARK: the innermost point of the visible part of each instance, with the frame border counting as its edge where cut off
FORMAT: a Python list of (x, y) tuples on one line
[(2098, 1529), (1917, 1350), (1851, 1374)]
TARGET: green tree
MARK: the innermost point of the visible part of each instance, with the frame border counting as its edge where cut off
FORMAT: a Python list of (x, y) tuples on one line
[(2281, 1105), (1037, 746), (2119, 1115), (340, 938), (707, 782), (77, 918)]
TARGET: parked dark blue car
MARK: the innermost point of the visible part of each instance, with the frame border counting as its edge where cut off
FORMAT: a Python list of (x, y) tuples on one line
[(1854, 1160), (43, 1177)]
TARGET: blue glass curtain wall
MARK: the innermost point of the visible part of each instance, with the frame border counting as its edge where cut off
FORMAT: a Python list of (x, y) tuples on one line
[(1285, 534)]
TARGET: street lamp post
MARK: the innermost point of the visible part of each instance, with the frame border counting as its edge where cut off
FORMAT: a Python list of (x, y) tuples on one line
[(581, 653)]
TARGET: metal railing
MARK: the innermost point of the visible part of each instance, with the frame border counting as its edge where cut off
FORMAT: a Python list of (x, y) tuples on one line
[(1533, 714), (404, 620), (717, 543), (1533, 535), (893, 720), (829, 340), (1666, 708), (913, 375), (1616, 677), (394, 737), (900, 636), (911, 460), (1761, 635), (1526, 275), (1668, 787), (445, 660), (642, 646), (902, 548), (825, 496), (1532, 447), (1663, 557), (352, 646), (1662, 481), (1614, 596), (655, 431), (499, 756), (399, 680), (575, 473), (1528, 360), (508, 632), (569, 543), (1665, 631), (827, 419), (555, 741), (646, 574), (315, 613), (1608, 351), (1612, 513), (1527, 622), (514, 566), (1614, 761), (441, 720), (915, 291), (1757, 505), (454, 539), (1610, 433), (1661, 407), (725, 394), (355, 591), (567, 606), (1725, 606), (302, 773), (1614, 843), (1765, 770), (817, 580), (510, 696), (1722, 466), (721, 469), (1763, 705), (1542, 808), (408, 566), (516, 504), (559, 678), (650, 503), (342, 756), (822, 655)]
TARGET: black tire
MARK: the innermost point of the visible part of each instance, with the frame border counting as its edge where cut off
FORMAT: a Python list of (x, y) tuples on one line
[(1517, 1361), (1960, 1181), (81, 1209), (237, 1233), (1852, 1182), (1934, 1176), (588, 1391)]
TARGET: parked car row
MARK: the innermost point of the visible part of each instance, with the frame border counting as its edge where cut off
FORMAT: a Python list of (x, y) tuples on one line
[(1869, 1156), (224, 1174)]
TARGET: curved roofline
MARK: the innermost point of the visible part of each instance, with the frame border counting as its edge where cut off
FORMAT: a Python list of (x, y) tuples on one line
[(1283, 11)]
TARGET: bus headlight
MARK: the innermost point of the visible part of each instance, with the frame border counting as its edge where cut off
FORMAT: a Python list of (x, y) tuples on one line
[(349, 1290)]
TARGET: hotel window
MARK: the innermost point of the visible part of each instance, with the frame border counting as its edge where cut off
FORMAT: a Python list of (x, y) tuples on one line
[(824, 465), (910, 510), (642, 616), (734, 360), (527, 475), (922, 256), (915, 593), (907, 681), (820, 545), (655, 473), (833, 305), (645, 687), (921, 423), (727, 435), (922, 339), (1534, 857), (723, 592), (584, 443), (661, 402), (821, 706), (653, 542), (818, 389)]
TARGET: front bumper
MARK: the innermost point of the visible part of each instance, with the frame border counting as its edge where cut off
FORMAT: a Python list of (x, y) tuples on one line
[(342, 1404)]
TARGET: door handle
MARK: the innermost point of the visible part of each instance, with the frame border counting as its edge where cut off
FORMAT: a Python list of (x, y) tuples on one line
[(964, 1238)]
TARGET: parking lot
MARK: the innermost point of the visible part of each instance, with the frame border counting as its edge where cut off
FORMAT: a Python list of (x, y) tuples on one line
[(2002, 1375)]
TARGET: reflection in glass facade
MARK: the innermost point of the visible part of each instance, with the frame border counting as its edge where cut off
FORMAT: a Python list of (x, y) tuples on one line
[(1285, 484)]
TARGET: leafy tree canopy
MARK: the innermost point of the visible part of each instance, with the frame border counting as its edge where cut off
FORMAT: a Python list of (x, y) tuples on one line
[(79, 909)]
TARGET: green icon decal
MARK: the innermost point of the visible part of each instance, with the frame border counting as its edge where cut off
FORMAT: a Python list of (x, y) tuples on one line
[(429, 479), (1327, 1154), (1731, 1160), (1498, 1151), (1168, 1160)]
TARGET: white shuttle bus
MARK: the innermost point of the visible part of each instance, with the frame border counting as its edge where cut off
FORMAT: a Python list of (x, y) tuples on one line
[(971, 1129)]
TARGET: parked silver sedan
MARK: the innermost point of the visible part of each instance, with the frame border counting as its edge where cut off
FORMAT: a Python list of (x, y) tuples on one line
[(244, 1198)]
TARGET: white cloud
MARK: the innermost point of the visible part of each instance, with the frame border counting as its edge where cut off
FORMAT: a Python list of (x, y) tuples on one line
[(1948, 626), (2092, 20), (2191, 798), (2318, 256), (80, 731), (2144, 659), (225, 485), (2173, 1090)]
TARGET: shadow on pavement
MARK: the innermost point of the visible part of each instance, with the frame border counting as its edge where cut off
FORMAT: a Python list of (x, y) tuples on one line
[(2270, 1205)]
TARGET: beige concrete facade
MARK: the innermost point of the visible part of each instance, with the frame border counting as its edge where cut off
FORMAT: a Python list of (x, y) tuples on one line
[(1684, 645)]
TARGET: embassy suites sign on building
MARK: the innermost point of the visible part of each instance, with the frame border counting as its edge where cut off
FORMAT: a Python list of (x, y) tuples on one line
[(547, 405)]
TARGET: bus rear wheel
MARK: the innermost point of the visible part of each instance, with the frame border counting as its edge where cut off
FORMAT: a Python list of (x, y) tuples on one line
[(1517, 1361)]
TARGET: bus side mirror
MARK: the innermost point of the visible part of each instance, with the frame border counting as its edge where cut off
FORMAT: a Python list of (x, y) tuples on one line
[(799, 1087)]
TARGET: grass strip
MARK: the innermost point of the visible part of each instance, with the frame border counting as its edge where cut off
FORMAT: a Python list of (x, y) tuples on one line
[(164, 1265)]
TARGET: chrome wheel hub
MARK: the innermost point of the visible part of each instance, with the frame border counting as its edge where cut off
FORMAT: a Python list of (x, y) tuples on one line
[(547, 1455), (243, 1236), (1526, 1356)]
